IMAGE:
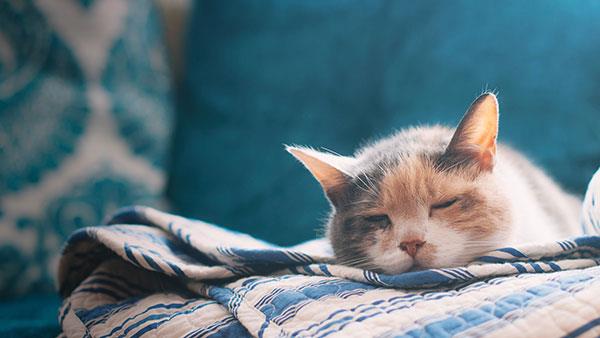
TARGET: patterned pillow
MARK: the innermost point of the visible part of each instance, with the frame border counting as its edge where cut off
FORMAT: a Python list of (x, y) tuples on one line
[(84, 122)]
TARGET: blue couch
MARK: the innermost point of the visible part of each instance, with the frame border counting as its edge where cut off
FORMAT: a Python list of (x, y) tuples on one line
[(331, 74), (337, 73)]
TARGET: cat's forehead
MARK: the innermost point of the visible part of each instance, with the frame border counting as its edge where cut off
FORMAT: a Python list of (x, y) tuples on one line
[(413, 180), (402, 147), (419, 177), (414, 155)]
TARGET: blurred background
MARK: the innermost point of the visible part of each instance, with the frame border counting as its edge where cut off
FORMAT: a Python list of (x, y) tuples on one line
[(186, 105)]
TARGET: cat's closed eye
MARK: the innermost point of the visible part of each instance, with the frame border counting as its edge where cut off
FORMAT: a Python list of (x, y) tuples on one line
[(382, 220), (444, 204)]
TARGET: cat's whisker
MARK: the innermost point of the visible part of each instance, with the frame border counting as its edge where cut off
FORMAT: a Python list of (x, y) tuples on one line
[(371, 184), (366, 189), (483, 244), (371, 267), (385, 171), (366, 203), (351, 257), (331, 151), (368, 183), (355, 263)]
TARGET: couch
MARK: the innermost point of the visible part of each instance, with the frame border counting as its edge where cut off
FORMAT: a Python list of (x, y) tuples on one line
[(202, 96)]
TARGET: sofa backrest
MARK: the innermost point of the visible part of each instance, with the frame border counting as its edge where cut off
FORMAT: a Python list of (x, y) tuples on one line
[(337, 73)]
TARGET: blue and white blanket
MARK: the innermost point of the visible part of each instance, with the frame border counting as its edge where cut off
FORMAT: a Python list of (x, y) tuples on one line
[(155, 274)]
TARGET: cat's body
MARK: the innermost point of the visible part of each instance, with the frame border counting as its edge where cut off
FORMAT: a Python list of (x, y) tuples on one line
[(438, 197)]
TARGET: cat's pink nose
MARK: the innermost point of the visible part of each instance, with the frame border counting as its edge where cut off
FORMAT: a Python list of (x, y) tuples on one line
[(412, 246)]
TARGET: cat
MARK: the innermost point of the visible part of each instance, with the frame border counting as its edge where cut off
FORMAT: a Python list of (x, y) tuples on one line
[(433, 197)]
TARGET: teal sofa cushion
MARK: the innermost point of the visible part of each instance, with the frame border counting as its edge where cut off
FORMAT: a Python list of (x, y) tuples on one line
[(337, 73), (84, 125), (31, 316)]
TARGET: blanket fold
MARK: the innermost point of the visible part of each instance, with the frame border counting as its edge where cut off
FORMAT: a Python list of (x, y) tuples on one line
[(148, 272)]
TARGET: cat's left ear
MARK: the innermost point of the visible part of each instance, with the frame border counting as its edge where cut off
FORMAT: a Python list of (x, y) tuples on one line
[(329, 169), (475, 137)]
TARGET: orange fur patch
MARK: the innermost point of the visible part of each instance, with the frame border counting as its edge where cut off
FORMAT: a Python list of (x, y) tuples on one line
[(408, 191)]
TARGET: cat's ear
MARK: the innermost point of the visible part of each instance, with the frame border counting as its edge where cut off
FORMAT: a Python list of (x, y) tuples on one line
[(475, 136), (328, 169)]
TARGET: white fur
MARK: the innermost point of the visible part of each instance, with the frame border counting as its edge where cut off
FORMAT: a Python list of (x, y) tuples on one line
[(450, 249), (531, 222)]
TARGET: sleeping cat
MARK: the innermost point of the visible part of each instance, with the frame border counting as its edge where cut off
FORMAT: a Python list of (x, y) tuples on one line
[(429, 197)]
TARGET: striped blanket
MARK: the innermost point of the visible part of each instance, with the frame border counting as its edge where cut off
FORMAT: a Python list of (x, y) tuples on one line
[(155, 274)]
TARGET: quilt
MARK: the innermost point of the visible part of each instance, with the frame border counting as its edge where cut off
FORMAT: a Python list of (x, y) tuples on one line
[(150, 273)]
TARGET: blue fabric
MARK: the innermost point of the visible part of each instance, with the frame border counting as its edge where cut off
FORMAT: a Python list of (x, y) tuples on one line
[(150, 272), (337, 73), (31, 316), (84, 125), (166, 243)]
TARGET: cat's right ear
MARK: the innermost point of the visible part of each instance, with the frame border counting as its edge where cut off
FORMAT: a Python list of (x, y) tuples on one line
[(475, 138), (328, 169)]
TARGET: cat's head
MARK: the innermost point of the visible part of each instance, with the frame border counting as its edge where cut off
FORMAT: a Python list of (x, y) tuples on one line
[(424, 197)]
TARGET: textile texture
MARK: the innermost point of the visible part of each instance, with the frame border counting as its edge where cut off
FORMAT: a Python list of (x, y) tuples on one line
[(154, 273), (84, 125)]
